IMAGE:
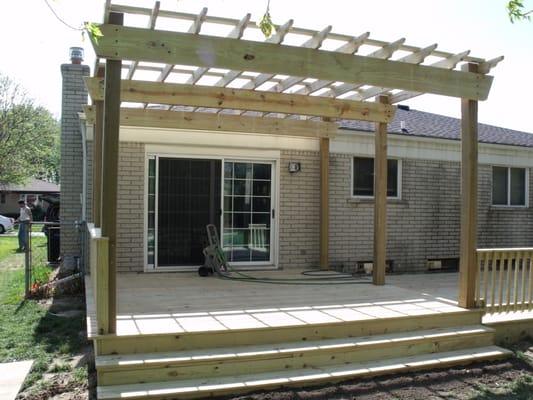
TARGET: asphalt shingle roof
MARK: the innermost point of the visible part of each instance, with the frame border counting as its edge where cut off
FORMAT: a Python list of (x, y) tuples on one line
[(424, 124), (32, 186)]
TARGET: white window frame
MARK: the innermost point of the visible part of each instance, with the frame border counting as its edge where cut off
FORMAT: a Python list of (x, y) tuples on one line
[(398, 180), (233, 156), (526, 187)]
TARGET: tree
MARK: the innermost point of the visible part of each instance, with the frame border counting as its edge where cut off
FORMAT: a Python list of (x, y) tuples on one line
[(516, 11), (29, 137)]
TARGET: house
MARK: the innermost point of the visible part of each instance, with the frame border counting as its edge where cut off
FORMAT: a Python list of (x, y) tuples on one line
[(31, 192), (290, 182)]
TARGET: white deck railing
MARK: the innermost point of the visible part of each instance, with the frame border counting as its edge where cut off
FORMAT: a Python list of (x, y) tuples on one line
[(99, 250), (505, 279)]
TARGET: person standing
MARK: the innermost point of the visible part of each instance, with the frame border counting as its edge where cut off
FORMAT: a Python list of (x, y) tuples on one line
[(24, 220)]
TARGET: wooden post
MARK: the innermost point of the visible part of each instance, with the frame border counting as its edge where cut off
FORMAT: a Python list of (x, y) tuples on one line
[(97, 158), (380, 200), (469, 160), (324, 203), (110, 166)]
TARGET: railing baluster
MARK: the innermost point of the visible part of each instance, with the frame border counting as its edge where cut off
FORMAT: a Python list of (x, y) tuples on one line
[(485, 277), (496, 256), (503, 261), (530, 300), (477, 289), (524, 282), (514, 304), (508, 280), (508, 286)]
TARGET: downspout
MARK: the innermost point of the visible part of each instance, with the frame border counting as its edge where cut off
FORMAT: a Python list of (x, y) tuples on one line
[(82, 225), (83, 131)]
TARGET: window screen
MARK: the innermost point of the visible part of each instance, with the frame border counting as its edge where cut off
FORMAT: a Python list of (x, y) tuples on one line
[(508, 186), (363, 177)]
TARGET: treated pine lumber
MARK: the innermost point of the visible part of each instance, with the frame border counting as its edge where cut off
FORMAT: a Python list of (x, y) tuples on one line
[(102, 284), (244, 99), (312, 355), (380, 200), (324, 203), (148, 343), (208, 387), (469, 195), (138, 44), (111, 123), (217, 354), (205, 121)]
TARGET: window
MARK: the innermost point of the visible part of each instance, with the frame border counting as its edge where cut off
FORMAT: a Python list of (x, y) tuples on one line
[(363, 177), (151, 233), (509, 186), (2, 198)]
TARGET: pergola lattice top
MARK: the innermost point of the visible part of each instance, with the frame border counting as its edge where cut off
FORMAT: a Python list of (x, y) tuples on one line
[(180, 61)]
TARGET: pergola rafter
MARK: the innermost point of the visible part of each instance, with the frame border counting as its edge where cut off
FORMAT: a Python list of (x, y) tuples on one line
[(272, 78), (242, 99)]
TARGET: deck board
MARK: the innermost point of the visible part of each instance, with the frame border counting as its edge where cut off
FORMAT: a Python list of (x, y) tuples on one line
[(185, 302)]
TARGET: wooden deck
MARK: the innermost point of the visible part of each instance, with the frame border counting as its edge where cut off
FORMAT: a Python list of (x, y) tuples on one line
[(185, 302), (180, 336)]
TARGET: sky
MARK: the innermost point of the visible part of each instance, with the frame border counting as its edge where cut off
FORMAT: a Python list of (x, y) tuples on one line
[(34, 43)]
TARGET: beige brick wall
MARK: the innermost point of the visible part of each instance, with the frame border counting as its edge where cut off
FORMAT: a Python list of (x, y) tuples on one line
[(130, 242), (423, 224), (74, 97), (299, 211)]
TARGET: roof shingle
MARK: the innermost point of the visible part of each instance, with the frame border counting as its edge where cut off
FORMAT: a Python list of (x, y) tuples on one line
[(424, 124)]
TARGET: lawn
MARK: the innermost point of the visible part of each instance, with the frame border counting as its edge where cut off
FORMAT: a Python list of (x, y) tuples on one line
[(30, 329)]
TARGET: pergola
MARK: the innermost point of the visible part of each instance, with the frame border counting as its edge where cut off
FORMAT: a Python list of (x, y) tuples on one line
[(295, 83)]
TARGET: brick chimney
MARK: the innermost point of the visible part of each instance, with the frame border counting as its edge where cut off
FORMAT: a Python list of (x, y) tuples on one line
[(74, 97)]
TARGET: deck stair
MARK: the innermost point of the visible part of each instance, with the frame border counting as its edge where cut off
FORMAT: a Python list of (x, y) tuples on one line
[(213, 363)]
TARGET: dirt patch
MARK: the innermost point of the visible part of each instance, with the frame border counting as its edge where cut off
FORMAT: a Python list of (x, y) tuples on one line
[(476, 381), (69, 373)]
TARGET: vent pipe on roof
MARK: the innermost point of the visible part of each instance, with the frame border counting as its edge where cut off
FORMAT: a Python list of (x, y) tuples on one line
[(402, 127), (76, 55)]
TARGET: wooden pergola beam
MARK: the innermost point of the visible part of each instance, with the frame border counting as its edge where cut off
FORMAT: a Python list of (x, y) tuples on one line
[(324, 203), (204, 121), (97, 157), (380, 201), (243, 99), (110, 154), (139, 44), (469, 180)]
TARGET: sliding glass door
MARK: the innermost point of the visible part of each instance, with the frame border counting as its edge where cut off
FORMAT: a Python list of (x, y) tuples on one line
[(186, 194), (247, 212)]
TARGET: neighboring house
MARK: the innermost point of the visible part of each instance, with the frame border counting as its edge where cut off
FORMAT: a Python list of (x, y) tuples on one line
[(31, 192), (171, 186)]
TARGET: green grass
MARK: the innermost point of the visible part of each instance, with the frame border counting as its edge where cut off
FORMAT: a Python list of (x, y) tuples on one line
[(27, 329), (520, 389), (8, 246)]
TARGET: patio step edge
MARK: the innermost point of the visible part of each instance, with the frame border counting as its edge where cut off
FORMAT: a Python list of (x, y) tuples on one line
[(203, 388), (158, 367), (148, 360), (178, 341)]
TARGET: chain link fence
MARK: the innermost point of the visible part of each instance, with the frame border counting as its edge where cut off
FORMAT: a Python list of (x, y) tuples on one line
[(39, 244)]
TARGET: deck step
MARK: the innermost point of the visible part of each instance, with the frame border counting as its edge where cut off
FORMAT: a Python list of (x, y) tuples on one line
[(208, 339), (202, 388), (138, 368)]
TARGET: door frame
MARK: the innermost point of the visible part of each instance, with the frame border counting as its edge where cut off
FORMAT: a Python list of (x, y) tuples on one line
[(222, 154)]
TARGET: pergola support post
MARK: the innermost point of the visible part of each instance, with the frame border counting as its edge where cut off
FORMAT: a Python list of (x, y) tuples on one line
[(469, 175), (111, 124), (324, 203), (97, 158), (380, 200)]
